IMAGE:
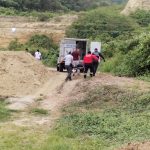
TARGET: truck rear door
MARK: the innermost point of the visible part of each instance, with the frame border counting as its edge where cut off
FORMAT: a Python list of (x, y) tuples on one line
[(94, 45)]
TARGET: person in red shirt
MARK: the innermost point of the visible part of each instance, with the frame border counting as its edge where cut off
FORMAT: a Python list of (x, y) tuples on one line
[(76, 57), (88, 63)]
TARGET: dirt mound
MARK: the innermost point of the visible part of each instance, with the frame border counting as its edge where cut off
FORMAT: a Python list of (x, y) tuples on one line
[(137, 146), (133, 5), (20, 73)]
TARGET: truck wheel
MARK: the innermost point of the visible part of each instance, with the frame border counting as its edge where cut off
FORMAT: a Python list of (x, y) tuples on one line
[(61, 67), (57, 68)]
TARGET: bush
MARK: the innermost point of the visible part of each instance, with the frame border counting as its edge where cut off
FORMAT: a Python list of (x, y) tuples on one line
[(45, 44), (40, 41), (111, 64), (15, 45), (4, 112), (137, 61), (142, 17), (43, 17), (105, 23), (107, 117)]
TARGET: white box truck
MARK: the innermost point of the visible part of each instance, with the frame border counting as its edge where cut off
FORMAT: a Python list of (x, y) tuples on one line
[(70, 44)]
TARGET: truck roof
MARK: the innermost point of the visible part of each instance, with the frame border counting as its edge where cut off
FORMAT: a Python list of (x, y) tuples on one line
[(76, 39)]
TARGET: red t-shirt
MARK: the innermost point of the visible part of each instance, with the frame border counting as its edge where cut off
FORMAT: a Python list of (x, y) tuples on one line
[(75, 55), (88, 59)]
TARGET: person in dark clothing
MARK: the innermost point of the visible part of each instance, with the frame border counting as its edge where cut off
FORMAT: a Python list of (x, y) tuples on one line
[(96, 63), (88, 63)]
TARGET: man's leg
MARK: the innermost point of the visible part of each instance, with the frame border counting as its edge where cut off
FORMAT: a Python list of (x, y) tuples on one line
[(91, 70), (69, 72), (67, 67), (96, 66), (85, 70)]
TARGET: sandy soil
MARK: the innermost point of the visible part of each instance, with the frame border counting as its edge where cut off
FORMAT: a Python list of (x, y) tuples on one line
[(20, 74), (137, 146), (26, 27)]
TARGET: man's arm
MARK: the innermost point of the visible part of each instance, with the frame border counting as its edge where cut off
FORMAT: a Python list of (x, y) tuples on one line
[(101, 56), (72, 60), (95, 58)]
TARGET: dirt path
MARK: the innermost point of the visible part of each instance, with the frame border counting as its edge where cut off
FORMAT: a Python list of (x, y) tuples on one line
[(56, 93)]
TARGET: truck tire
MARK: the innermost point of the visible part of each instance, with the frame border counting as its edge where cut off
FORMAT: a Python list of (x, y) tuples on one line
[(57, 68), (61, 67)]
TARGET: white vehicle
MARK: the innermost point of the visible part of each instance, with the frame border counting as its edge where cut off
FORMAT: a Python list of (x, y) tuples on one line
[(70, 44)]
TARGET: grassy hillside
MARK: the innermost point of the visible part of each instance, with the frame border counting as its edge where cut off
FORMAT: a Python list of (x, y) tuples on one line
[(106, 118), (125, 41), (56, 5)]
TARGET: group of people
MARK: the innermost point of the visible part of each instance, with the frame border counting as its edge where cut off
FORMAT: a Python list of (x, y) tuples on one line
[(90, 61)]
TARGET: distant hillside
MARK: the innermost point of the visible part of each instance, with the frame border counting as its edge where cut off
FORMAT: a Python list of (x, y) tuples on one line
[(56, 5), (26, 27), (133, 5)]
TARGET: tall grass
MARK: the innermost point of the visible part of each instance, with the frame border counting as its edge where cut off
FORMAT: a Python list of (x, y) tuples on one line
[(111, 64), (105, 119), (4, 112)]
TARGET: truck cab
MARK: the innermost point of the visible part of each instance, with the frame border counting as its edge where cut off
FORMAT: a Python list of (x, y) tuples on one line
[(69, 45)]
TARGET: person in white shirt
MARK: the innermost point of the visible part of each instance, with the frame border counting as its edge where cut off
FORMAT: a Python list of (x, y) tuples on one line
[(38, 55), (68, 65)]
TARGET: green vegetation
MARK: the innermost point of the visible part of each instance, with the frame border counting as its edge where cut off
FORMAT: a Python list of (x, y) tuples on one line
[(4, 112), (142, 17), (106, 118), (44, 43), (39, 111), (40, 16), (103, 23), (56, 5), (21, 138), (125, 40)]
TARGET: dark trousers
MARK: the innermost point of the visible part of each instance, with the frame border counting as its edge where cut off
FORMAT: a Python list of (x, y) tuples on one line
[(87, 67), (95, 66), (69, 71)]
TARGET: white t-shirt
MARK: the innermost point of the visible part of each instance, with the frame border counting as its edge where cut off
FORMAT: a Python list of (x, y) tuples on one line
[(37, 55), (68, 59)]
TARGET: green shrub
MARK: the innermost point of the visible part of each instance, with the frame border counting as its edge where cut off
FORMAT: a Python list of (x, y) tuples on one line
[(4, 112), (107, 117), (40, 41), (43, 17), (137, 61), (142, 17), (15, 45), (105, 23), (45, 44), (111, 64), (145, 77)]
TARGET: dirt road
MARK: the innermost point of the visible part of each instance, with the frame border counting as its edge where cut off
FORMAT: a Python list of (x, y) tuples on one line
[(56, 93)]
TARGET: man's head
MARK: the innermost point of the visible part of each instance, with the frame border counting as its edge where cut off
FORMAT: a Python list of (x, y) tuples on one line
[(89, 52), (37, 50), (95, 49), (69, 53), (77, 49)]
